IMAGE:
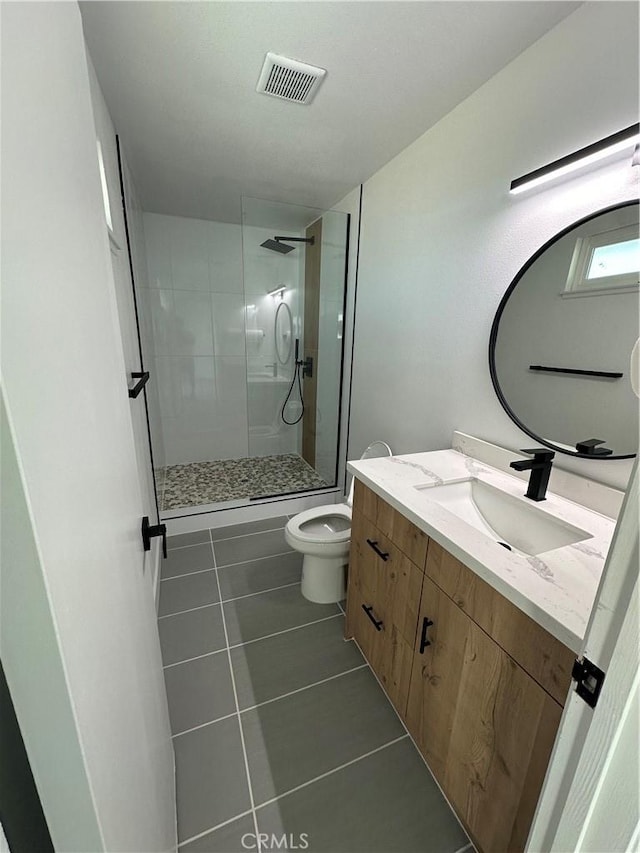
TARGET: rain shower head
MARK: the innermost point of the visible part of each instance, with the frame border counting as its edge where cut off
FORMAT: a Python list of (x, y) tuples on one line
[(276, 245)]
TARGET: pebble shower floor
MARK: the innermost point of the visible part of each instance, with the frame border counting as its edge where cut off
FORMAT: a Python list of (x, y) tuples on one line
[(200, 483), (279, 725)]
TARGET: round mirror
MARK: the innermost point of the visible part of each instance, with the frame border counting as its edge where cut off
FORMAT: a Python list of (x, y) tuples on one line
[(561, 340)]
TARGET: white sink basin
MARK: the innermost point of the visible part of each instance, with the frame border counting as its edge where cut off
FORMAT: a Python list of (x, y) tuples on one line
[(515, 522)]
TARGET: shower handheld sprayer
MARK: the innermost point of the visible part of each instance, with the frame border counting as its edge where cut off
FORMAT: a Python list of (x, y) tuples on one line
[(301, 368)]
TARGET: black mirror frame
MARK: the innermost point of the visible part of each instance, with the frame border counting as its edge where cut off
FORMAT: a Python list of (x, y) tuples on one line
[(496, 323)]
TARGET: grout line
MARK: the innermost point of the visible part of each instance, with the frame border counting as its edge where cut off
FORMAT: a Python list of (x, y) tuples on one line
[(182, 547), (204, 725), (302, 689), (187, 574), (286, 631), (331, 772), (261, 592), (341, 608), (189, 610), (226, 600), (248, 642), (267, 701), (239, 718), (242, 535), (469, 846), (213, 828), (197, 657), (254, 559), (415, 746)]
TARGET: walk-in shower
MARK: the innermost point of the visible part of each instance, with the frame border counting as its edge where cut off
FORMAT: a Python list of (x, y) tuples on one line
[(240, 329)]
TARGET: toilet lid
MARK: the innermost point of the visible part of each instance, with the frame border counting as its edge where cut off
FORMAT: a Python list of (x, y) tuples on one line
[(370, 454), (330, 523)]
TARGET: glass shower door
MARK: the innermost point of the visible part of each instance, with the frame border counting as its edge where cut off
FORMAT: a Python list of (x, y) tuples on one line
[(236, 322), (294, 261)]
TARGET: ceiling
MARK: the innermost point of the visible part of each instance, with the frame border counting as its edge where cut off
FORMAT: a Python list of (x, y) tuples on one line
[(179, 79)]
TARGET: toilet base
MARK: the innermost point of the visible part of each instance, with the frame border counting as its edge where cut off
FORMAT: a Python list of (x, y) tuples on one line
[(324, 579)]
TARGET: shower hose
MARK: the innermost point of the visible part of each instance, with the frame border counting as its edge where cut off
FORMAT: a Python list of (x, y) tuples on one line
[(297, 375)]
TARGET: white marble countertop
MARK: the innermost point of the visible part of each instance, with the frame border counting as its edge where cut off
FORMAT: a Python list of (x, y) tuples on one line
[(556, 588)]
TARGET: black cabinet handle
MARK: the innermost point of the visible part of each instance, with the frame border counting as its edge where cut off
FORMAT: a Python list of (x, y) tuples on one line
[(373, 543), (367, 610), (143, 378), (426, 623), (149, 531)]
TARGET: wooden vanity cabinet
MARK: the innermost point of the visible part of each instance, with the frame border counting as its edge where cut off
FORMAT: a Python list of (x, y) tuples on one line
[(479, 685), (484, 726)]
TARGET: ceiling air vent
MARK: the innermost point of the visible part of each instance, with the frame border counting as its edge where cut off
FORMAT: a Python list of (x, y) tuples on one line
[(288, 79)]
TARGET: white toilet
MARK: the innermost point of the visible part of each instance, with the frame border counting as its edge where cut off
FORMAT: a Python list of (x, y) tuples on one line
[(323, 535)]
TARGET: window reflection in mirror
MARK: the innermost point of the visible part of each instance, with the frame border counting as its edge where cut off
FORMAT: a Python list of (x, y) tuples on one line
[(540, 324)]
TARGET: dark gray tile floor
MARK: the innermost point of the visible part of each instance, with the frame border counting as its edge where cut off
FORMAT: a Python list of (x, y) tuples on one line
[(279, 725)]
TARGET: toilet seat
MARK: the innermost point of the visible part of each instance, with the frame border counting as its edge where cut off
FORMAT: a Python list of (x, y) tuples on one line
[(314, 525), (323, 535)]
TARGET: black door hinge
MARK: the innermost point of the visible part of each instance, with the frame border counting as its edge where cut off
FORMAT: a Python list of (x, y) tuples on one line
[(149, 531), (589, 678)]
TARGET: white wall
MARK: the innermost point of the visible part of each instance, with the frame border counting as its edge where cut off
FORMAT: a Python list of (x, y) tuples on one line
[(64, 380), (441, 238)]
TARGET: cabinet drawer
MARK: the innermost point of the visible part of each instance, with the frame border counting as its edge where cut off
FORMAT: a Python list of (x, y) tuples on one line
[(545, 658), (385, 576), (392, 524)]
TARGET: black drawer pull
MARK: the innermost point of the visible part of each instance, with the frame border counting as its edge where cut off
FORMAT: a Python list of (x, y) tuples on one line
[(367, 610), (426, 623), (143, 378), (373, 543)]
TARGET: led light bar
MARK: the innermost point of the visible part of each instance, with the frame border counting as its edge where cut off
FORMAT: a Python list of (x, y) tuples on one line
[(617, 142)]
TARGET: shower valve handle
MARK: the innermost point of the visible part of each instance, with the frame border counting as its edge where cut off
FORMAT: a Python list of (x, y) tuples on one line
[(307, 367)]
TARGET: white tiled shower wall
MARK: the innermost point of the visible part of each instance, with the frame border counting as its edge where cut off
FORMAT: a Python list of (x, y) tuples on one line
[(196, 303), (269, 377)]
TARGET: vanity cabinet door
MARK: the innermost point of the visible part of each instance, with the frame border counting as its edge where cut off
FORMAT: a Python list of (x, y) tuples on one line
[(485, 727), (545, 658), (382, 607)]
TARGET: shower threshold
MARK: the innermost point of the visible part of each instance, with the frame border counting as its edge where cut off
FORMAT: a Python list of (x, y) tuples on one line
[(219, 481)]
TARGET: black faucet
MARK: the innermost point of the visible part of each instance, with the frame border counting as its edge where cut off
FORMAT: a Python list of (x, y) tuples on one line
[(540, 467)]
